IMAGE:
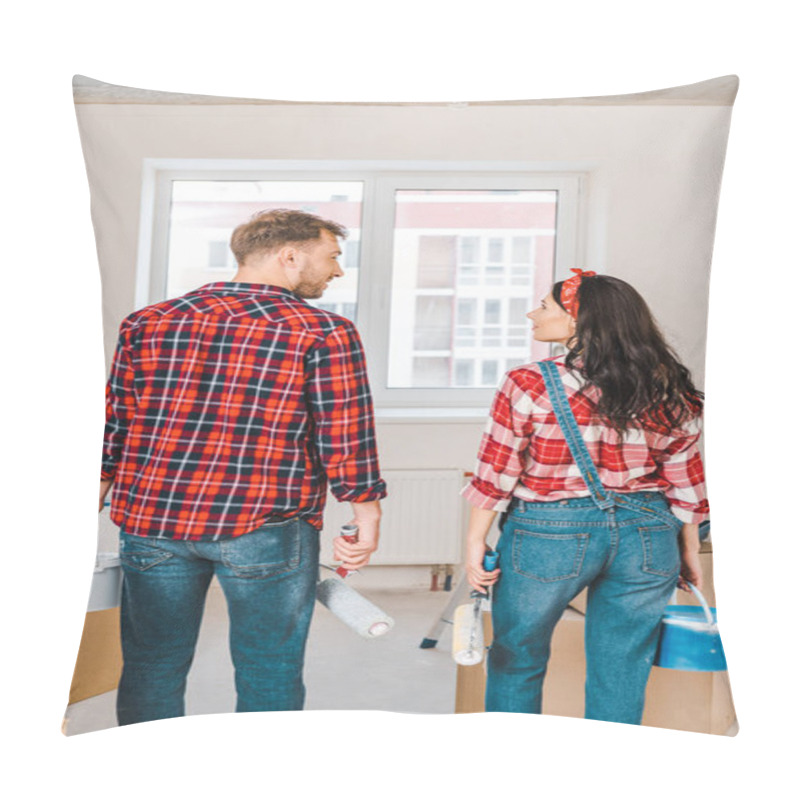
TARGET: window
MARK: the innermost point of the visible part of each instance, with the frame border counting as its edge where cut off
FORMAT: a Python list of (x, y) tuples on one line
[(464, 371), (436, 260), (218, 255), (464, 274), (202, 215), (442, 262), (491, 312), (433, 322), (489, 373), (495, 251), (467, 311)]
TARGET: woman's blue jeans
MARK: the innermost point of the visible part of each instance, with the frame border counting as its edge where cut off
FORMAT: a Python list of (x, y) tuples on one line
[(269, 578), (629, 558)]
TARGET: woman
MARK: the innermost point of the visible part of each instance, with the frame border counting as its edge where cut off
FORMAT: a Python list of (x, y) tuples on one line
[(620, 516)]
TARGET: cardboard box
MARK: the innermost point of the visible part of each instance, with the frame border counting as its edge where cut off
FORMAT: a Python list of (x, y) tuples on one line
[(688, 701), (99, 663), (565, 671)]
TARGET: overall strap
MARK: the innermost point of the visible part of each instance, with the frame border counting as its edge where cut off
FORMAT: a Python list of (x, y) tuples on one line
[(572, 433)]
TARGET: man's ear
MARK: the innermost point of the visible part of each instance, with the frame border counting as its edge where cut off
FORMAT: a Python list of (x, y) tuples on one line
[(288, 259), (288, 255)]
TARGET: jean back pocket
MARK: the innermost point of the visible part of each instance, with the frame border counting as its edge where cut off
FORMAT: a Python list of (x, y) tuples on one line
[(547, 555), (139, 555), (660, 550), (267, 552)]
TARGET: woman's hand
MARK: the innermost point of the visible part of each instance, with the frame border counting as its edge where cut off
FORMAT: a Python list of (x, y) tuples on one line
[(480, 520), (691, 570), (477, 577)]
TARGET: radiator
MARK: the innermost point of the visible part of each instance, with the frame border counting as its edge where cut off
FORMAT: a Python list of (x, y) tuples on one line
[(422, 520)]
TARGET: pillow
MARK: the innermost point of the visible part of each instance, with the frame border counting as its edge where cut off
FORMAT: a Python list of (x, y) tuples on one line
[(460, 216)]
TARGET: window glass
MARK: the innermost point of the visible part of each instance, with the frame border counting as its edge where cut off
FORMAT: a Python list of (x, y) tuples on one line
[(433, 373), (495, 251), (467, 311), (464, 268), (489, 373), (518, 307), (203, 214), (491, 312), (433, 322), (521, 249), (469, 249), (436, 261), (464, 372), (219, 255)]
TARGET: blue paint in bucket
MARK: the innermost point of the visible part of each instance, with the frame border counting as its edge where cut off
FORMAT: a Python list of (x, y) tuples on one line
[(689, 638)]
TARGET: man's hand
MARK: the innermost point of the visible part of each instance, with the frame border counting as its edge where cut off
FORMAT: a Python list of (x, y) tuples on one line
[(104, 487), (356, 555)]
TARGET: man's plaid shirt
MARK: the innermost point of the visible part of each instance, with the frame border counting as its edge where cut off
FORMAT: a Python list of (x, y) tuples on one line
[(233, 405), (523, 453)]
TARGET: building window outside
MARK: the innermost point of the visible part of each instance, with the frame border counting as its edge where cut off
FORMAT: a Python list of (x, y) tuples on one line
[(489, 373)]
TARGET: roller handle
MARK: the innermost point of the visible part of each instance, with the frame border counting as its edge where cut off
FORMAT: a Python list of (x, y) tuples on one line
[(350, 534), (490, 559)]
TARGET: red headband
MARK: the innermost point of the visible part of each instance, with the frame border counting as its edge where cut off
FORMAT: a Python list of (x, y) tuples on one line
[(569, 291)]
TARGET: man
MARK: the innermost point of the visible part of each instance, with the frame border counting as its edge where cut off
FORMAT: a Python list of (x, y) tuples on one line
[(229, 411)]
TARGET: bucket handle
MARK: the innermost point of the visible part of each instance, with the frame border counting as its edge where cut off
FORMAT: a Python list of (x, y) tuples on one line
[(698, 594)]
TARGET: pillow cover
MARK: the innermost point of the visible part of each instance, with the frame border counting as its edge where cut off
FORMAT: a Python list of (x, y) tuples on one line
[(460, 217)]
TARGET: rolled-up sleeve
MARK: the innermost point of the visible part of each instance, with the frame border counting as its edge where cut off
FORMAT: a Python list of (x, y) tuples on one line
[(341, 406), (681, 467), (501, 457), (120, 404)]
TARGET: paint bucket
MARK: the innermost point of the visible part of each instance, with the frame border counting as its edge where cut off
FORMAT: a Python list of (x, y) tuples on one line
[(689, 638)]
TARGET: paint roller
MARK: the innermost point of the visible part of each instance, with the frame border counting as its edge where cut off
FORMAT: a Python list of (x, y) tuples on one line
[(365, 618), (468, 621), (358, 613)]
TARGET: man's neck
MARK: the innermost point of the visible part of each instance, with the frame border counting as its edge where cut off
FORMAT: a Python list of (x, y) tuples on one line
[(265, 277)]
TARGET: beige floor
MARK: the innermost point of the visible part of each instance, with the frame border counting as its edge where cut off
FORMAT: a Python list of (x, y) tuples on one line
[(343, 670)]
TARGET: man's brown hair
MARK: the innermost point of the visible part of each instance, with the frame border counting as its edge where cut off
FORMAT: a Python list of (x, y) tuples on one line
[(266, 231)]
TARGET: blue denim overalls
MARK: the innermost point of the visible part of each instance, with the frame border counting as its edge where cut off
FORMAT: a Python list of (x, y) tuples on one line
[(624, 547)]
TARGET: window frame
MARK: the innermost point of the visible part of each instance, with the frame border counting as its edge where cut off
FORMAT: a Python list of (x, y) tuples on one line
[(381, 179)]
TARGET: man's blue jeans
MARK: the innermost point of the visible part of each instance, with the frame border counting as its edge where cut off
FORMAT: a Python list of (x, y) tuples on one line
[(627, 556), (269, 579)]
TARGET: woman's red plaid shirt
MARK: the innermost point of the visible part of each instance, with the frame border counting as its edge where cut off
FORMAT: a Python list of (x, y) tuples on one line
[(523, 453)]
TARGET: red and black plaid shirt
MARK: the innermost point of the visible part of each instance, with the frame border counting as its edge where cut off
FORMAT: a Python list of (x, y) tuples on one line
[(232, 405), (523, 453)]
